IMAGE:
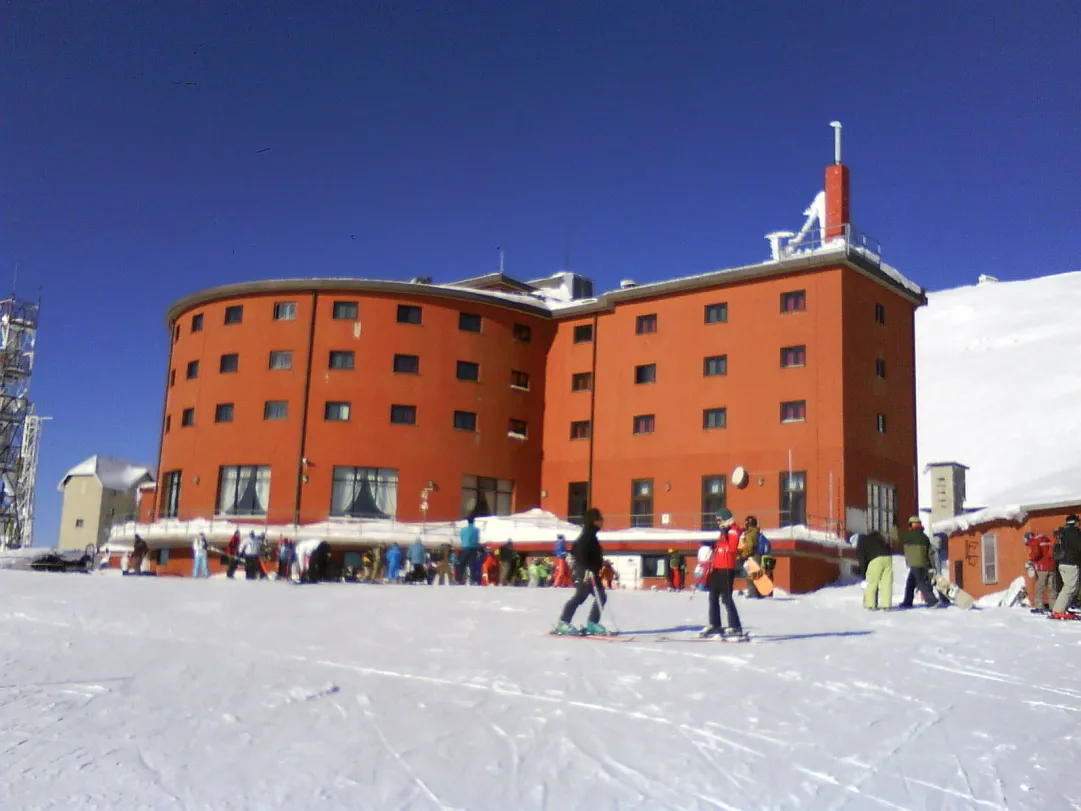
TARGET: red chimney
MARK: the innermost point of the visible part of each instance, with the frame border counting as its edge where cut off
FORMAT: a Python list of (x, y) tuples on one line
[(836, 200)]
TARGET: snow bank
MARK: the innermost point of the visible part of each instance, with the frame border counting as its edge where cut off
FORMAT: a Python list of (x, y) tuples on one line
[(1013, 513)]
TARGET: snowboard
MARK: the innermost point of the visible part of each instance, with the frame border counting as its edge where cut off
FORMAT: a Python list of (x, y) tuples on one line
[(954, 593), (762, 582)]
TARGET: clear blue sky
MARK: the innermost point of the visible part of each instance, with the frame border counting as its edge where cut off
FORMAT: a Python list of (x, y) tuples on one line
[(655, 138)]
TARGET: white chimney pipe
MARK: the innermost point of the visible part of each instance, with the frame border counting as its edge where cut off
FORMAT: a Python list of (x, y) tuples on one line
[(836, 141)]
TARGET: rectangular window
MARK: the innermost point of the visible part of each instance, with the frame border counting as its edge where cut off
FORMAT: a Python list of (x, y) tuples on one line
[(168, 423), (281, 360), (577, 501), (409, 314), (345, 311), (643, 424), (176, 333), (467, 370), (880, 314), (645, 324), (580, 429), (364, 492), (715, 418), (407, 364), (717, 313), (792, 356), (880, 423), (989, 557), (523, 333), (465, 420), (187, 418), (519, 380), (336, 411), (285, 310), (234, 314), (243, 490), (197, 322), (880, 368), (583, 334), (647, 373), (582, 381), (341, 359), (793, 502), (517, 429), (469, 322), (275, 410), (192, 371), (170, 496), (795, 411), (715, 366), (713, 498), (172, 378), (881, 506), (223, 412), (793, 302), (403, 414), (654, 566), (229, 363), (483, 496), (642, 503)]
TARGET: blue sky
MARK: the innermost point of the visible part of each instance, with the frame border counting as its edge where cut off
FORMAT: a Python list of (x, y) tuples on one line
[(388, 140)]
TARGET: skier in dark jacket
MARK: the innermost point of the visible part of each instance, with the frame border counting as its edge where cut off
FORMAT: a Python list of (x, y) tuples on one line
[(917, 548), (588, 560), (1069, 566), (876, 567)]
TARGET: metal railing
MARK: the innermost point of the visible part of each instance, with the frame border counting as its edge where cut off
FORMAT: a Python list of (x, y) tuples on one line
[(839, 237)]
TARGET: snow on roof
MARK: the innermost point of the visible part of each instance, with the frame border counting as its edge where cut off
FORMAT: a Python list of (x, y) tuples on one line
[(997, 389), (114, 474)]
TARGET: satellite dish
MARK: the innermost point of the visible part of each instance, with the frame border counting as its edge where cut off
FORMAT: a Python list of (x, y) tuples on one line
[(740, 477)]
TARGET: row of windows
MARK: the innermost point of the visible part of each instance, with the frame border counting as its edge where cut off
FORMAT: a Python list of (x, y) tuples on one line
[(350, 311), (717, 365)]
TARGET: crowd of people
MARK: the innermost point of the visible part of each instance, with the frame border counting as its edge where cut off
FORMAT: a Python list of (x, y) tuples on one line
[(1053, 565)]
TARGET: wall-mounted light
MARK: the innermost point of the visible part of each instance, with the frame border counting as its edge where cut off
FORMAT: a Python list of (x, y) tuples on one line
[(761, 481), (304, 478), (305, 461), (544, 494), (194, 479), (668, 486)]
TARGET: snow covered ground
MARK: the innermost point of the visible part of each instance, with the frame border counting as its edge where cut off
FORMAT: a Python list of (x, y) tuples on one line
[(122, 693)]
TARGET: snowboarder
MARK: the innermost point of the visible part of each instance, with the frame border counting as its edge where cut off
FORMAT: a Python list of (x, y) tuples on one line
[(722, 577), (876, 567), (588, 559), (199, 549), (917, 548), (1068, 555), (1042, 569), (748, 550)]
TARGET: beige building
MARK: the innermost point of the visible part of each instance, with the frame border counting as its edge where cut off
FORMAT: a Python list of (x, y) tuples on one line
[(98, 493)]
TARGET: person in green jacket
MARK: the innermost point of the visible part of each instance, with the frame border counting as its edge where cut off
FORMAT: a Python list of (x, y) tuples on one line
[(917, 547)]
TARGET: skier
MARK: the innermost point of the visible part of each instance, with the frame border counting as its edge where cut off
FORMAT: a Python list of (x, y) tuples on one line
[(285, 558), (1042, 569), (470, 537), (199, 550), (249, 550), (588, 559), (722, 576), (563, 570), (917, 548), (876, 567), (394, 563), (1068, 555), (233, 553), (416, 555), (674, 559)]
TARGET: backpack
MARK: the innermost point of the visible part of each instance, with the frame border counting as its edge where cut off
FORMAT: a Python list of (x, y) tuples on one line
[(764, 547), (1058, 554)]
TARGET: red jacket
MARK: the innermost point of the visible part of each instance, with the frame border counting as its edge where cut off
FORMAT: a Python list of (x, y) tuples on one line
[(724, 550), (1041, 551)]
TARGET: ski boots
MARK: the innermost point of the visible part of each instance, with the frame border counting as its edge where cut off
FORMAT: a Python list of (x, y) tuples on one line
[(566, 629), (710, 630), (596, 629), (735, 635)]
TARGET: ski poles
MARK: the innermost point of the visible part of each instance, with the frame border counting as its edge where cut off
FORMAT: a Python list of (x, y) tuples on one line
[(600, 603)]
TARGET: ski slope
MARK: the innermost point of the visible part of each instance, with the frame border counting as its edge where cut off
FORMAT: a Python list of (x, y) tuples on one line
[(123, 693)]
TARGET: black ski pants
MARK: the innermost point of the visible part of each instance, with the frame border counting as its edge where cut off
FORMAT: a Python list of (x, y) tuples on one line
[(720, 591), (918, 578), (583, 592)]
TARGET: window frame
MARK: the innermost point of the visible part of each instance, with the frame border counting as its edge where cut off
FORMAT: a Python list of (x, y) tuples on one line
[(794, 357), (342, 355), (197, 322), (577, 377), (645, 374), (284, 311), (187, 418), (402, 356), (465, 318), (267, 416), (989, 541), (234, 314), (640, 517), (279, 354), (880, 313), (354, 477), (467, 364), (344, 310), (259, 473), (647, 420), (470, 420), (645, 324), (796, 298), (881, 506), (173, 481), (584, 427), (191, 371), (519, 380), (722, 360), (707, 413), (234, 358), (880, 368), (799, 406), (720, 307), (502, 492), (711, 501), (337, 411), (223, 410), (403, 409), (880, 423), (582, 334), (517, 429), (406, 313), (523, 333)]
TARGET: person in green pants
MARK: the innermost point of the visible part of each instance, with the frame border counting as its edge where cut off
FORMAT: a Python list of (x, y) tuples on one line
[(876, 566)]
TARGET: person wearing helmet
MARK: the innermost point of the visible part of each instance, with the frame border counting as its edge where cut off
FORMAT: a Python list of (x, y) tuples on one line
[(674, 561), (917, 548), (1069, 565)]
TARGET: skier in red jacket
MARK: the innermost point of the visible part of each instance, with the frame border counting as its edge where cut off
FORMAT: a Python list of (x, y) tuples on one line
[(1041, 558), (722, 575)]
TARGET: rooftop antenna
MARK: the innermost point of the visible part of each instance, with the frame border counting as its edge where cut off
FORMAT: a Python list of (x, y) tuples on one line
[(500, 258), (14, 279), (836, 141)]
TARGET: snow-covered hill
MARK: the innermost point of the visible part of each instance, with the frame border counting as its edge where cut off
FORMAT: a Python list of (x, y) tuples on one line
[(998, 386), (124, 693)]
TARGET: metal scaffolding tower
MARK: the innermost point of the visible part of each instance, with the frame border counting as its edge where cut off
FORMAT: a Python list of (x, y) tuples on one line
[(20, 428)]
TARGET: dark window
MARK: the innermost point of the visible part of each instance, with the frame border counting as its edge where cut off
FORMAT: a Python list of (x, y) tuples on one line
[(467, 370), (793, 356), (583, 334), (647, 373), (197, 323), (187, 418), (580, 429), (716, 313), (793, 502), (582, 381), (645, 324), (483, 496), (341, 359), (407, 364), (229, 363), (176, 333), (469, 322), (654, 565), (192, 371), (364, 492), (713, 499), (223, 412), (408, 314), (794, 301), (285, 310), (880, 368), (643, 424), (881, 423), (403, 414), (880, 314), (642, 503), (275, 410), (346, 311), (281, 360), (243, 490), (715, 366), (234, 314), (795, 411), (336, 411), (170, 502), (168, 423), (577, 501), (715, 418), (519, 380), (465, 420), (523, 333), (172, 378), (518, 428)]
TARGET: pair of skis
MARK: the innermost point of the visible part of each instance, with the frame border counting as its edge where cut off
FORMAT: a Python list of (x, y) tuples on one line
[(620, 637)]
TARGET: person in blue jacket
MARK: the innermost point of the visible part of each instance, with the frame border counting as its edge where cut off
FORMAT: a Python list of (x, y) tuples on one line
[(470, 537), (416, 556), (561, 546), (394, 562)]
